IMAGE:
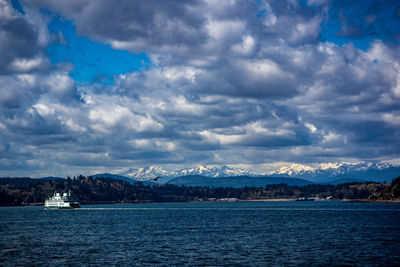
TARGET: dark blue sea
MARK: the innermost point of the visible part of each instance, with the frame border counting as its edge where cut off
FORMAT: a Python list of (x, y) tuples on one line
[(318, 233)]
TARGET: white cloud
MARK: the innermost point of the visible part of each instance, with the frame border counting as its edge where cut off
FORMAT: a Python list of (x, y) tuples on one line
[(311, 126), (43, 110), (28, 80), (117, 116), (331, 137), (390, 118), (74, 126), (253, 133), (261, 69), (153, 144), (225, 29), (309, 29), (110, 115), (6, 11), (60, 84)]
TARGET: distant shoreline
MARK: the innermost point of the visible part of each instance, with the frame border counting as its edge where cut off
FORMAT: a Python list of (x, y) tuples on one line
[(267, 200), (222, 200)]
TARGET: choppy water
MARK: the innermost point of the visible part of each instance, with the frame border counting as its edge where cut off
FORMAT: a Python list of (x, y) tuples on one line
[(203, 234)]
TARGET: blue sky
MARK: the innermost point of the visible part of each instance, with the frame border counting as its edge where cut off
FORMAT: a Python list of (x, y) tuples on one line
[(90, 86), (93, 62)]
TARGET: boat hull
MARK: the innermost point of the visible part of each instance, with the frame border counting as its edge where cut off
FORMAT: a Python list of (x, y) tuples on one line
[(58, 206)]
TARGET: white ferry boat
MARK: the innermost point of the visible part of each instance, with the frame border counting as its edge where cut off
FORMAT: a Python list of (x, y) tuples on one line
[(64, 201)]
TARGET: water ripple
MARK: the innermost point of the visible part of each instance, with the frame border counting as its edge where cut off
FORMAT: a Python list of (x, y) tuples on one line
[(203, 234)]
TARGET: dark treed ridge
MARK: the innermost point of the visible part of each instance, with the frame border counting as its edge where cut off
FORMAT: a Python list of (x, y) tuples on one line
[(24, 191)]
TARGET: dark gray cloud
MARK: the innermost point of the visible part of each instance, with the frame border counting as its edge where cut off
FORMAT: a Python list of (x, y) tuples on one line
[(21, 42), (231, 83), (170, 24)]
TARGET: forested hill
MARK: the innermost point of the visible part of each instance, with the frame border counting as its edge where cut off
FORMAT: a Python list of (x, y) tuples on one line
[(24, 191)]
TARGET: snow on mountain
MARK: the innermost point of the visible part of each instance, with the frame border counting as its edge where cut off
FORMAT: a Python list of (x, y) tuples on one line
[(333, 168), (157, 171), (325, 172), (145, 173), (290, 170), (330, 171), (223, 171)]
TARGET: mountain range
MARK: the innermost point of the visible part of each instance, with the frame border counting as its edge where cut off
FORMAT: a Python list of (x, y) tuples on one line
[(295, 174), (347, 172), (202, 170), (324, 173)]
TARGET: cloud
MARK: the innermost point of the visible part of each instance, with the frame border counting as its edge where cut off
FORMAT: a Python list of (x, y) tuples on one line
[(246, 82), (120, 116), (23, 39), (256, 134)]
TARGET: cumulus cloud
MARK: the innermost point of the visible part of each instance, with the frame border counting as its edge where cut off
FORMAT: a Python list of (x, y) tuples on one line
[(22, 41), (231, 82)]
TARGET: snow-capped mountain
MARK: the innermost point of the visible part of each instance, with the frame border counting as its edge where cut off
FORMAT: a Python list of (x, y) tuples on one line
[(157, 171), (204, 170), (145, 173), (328, 172)]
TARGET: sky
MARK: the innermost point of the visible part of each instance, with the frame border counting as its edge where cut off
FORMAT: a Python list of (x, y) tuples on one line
[(96, 86)]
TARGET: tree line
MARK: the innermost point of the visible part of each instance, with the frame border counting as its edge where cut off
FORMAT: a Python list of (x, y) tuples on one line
[(25, 191)]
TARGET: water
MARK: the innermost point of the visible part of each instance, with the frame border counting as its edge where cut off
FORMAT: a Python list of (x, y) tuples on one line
[(203, 234)]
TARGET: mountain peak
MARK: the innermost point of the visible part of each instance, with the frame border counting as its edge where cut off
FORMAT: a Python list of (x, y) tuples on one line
[(202, 168), (145, 173)]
